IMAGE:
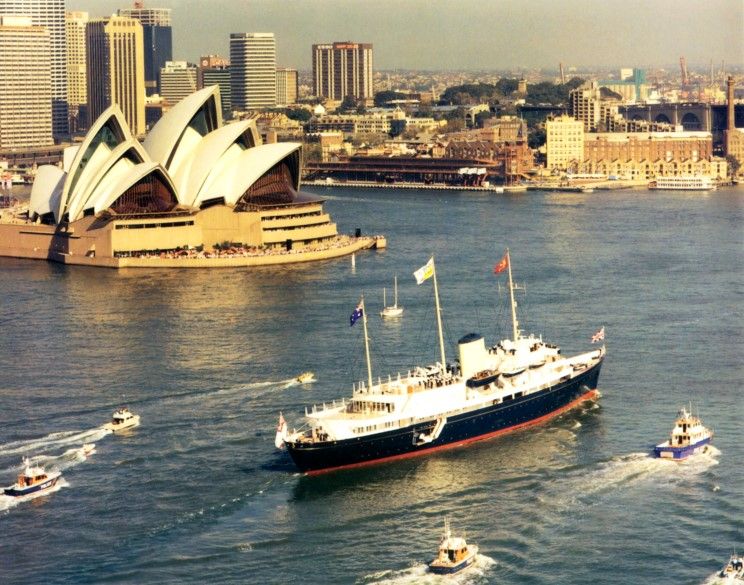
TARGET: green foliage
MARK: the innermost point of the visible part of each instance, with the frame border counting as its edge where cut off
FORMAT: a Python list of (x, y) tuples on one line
[(383, 97), (349, 104), (507, 86), (536, 137), (733, 165), (463, 95), (300, 114)]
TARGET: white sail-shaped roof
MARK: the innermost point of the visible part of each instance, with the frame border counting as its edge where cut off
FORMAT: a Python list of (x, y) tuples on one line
[(108, 131), (123, 182), (120, 160), (206, 158), (46, 190), (166, 137), (248, 166)]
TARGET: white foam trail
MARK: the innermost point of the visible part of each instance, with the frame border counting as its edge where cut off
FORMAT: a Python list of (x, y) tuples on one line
[(577, 425), (8, 502), (420, 574), (53, 441)]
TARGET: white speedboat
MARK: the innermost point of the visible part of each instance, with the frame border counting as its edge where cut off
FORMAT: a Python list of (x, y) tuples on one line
[(688, 437), (305, 377), (733, 572), (454, 554), (393, 310), (122, 419), (32, 480)]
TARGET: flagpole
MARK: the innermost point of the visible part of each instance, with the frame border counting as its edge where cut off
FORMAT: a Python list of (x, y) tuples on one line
[(511, 295), (439, 312), (366, 345)]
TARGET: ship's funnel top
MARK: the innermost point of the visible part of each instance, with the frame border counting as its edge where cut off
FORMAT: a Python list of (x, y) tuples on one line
[(473, 354)]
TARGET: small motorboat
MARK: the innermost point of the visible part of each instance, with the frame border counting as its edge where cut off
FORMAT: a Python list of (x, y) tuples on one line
[(454, 555), (88, 449), (122, 419), (32, 480), (733, 572), (688, 437), (305, 377)]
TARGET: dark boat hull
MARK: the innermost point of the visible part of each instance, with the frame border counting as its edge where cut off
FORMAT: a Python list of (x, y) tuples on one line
[(42, 486), (460, 429)]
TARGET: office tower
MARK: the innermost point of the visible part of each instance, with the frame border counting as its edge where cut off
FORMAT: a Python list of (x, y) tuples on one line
[(177, 80), (212, 61), (77, 91), (50, 14), (116, 69), (157, 37), (343, 69), (253, 70), (26, 82), (286, 86), (219, 76), (564, 142)]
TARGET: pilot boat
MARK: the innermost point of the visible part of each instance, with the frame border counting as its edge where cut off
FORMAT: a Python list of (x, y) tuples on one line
[(487, 391), (393, 310), (688, 437), (32, 480), (454, 555), (733, 572), (122, 419)]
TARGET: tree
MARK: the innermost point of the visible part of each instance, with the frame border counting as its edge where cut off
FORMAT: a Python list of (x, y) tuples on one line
[(733, 165), (349, 103), (300, 114), (536, 138), (383, 97)]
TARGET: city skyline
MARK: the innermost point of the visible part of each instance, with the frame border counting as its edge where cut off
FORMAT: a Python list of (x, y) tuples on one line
[(465, 34)]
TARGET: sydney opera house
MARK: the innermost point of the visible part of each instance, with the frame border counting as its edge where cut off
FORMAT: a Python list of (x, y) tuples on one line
[(194, 193)]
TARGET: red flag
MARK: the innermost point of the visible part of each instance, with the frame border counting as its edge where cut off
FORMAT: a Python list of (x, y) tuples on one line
[(502, 265)]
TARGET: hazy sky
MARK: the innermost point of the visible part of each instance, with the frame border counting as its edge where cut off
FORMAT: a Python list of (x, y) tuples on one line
[(465, 34)]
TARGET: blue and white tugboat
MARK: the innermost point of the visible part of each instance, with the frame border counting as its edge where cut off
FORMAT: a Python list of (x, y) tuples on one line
[(689, 436), (454, 555), (487, 391), (733, 572), (32, 480)]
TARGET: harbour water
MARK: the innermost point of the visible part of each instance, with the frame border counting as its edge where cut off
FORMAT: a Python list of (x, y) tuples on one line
[(199, 494)]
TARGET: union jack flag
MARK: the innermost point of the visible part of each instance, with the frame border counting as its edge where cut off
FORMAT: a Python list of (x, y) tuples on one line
[(598, 336)]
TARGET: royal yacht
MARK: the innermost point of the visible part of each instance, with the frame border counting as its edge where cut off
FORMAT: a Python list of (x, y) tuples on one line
[(487, 391)]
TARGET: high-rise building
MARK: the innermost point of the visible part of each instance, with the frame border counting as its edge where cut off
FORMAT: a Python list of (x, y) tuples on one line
[(253, 70), (50, 14), (26, 82), (343, 69), (212, 61), (177, 80), (157, 35), (286, 86), (219, 76), (77, 90), (116, 69)]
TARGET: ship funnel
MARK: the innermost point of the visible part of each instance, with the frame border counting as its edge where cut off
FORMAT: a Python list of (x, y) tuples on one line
[(473, 354)]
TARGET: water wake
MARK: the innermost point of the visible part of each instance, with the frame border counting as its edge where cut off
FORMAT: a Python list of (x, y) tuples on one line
[(420, 574), (53, 441), (8, 502)]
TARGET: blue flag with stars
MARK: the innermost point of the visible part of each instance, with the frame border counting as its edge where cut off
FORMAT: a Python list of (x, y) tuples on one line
[(356, 314)]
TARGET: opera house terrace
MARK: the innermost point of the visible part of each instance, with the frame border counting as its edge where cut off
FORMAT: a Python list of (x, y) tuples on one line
[(194, 193)]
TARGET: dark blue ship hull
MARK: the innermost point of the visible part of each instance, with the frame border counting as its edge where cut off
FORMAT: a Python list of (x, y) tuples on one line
[(492, 420), (27, 490), (440, 570), (679, 453)]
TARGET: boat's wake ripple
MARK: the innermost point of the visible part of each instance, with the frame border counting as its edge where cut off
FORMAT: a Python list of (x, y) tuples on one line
[(69, 458), (8, 502), (420, 574), (714, 579), (623, 470), (52, 441)]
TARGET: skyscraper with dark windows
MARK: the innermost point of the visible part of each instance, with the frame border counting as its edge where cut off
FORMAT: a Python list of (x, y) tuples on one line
[(157, 36), (343, 69), (253, 70), (51, 15)]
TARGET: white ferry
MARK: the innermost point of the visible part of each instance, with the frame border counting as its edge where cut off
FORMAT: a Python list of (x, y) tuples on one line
[(688, 437), (455, 554), (488, 391), (683, 183)]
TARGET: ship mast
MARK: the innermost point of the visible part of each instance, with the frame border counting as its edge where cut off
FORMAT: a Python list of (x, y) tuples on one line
[(515, 324), (439, 313), (366, 345)]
